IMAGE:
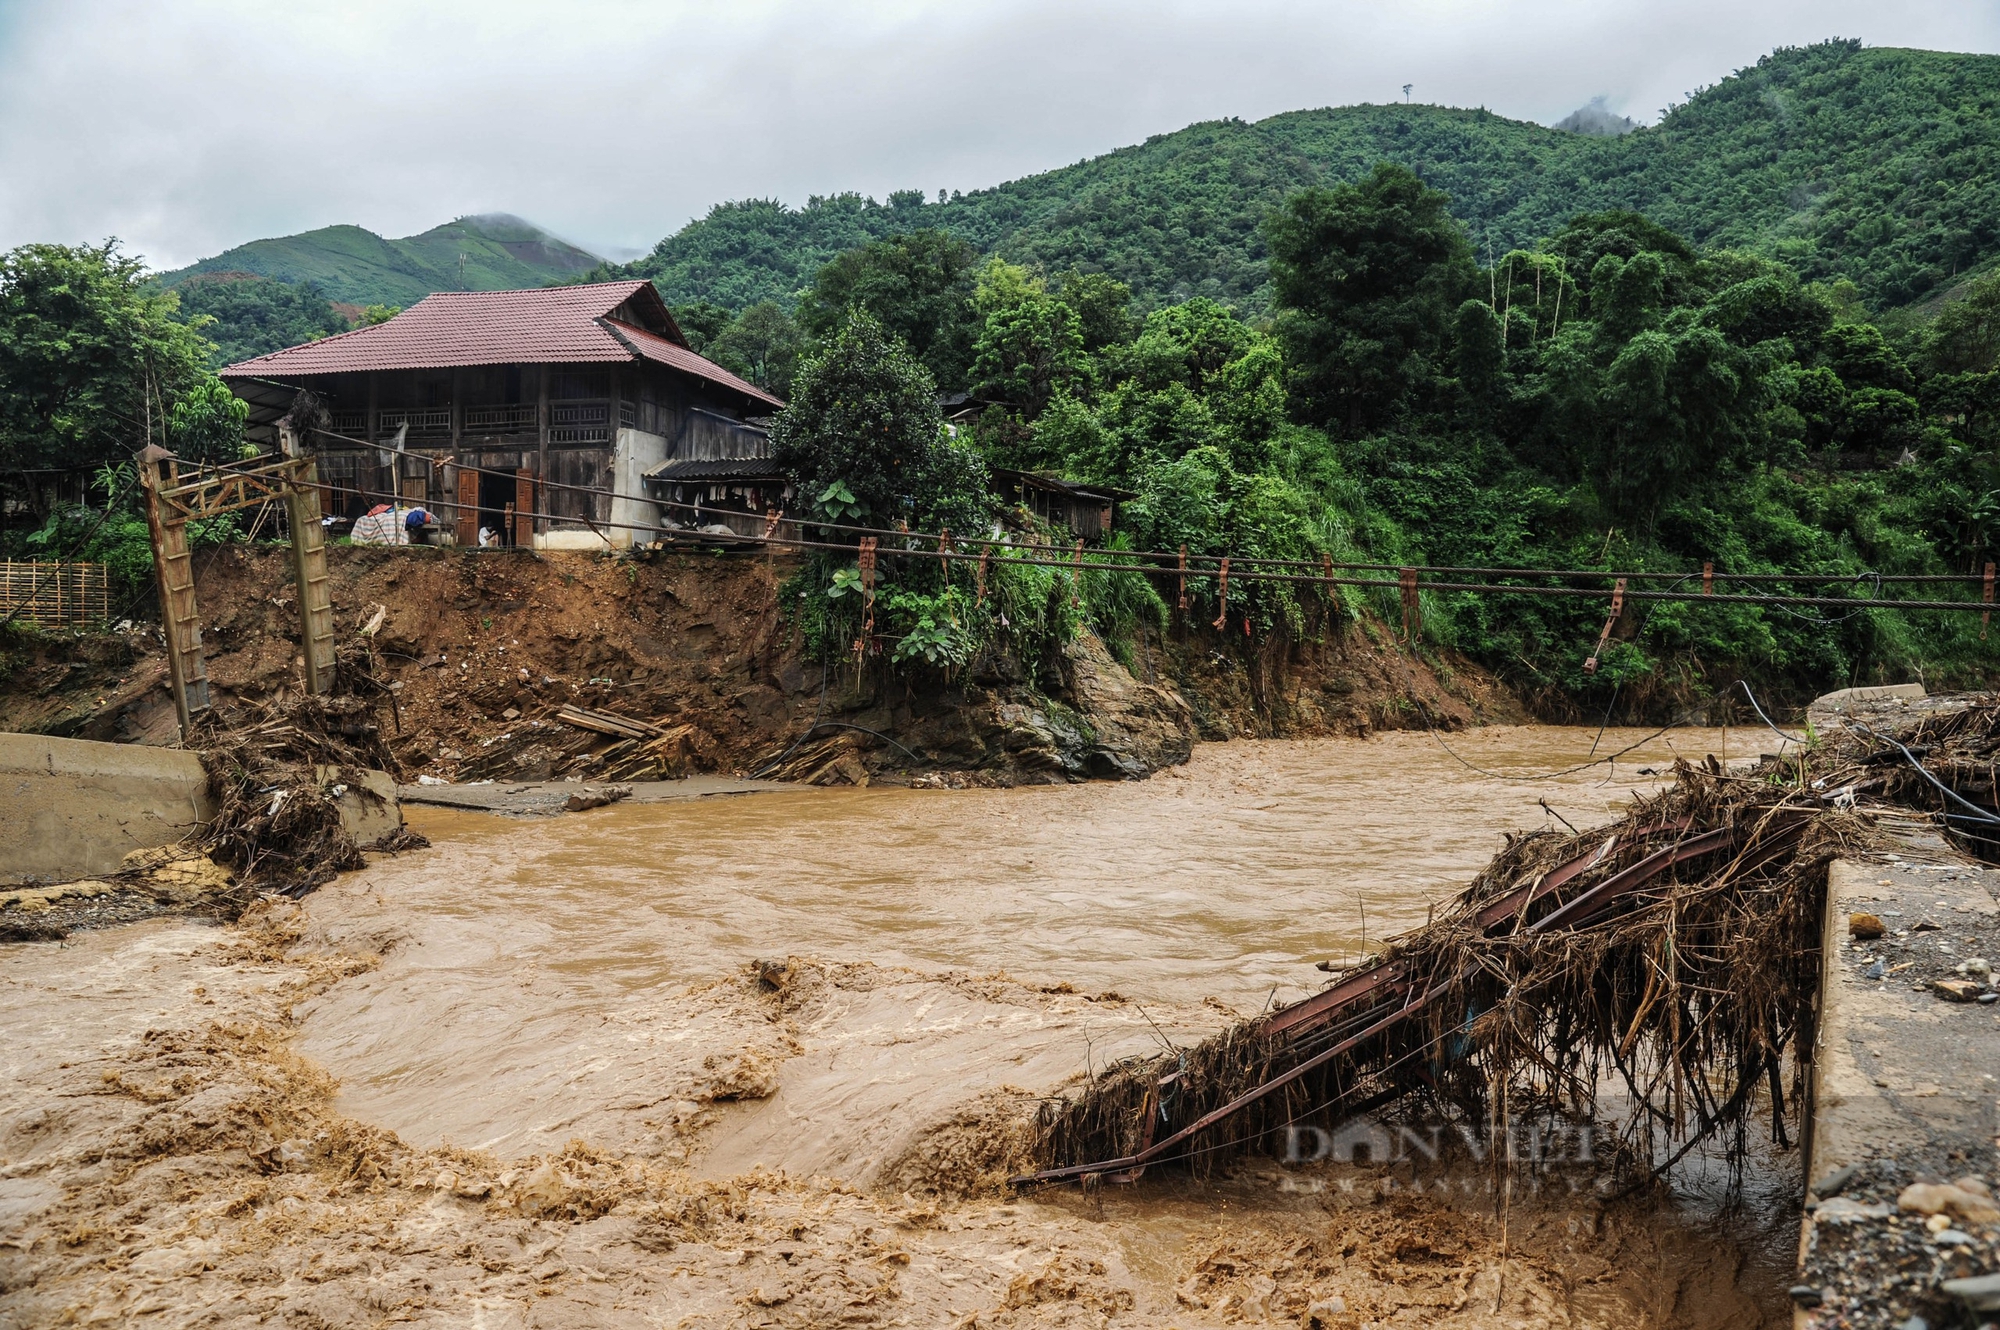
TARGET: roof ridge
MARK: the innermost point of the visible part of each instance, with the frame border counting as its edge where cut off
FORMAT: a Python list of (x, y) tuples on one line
[(723, 375), (529, 325), (628, 283), (612, 326)]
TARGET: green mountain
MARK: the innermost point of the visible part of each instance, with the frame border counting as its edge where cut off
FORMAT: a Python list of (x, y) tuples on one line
[(257, 315), (1880, 165), (354, 266)]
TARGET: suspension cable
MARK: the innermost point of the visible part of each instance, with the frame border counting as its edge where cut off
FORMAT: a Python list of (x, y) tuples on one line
[(1123, 561), (1237, 561)]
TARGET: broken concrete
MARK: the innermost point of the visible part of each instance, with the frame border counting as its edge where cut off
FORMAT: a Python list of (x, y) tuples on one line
[(75, 808), (548, 797), (1847, 699), (368, 801)]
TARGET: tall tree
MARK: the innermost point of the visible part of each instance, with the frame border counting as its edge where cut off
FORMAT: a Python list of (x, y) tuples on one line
[(95, 363), (1966, 336), (701, 322), (1367, 278), (251, 316), (762, 344), (1103, 306), (863, 421), (918, 286), (1030, 345)]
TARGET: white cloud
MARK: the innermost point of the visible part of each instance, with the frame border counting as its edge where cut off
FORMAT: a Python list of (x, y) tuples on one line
[(188, 127)]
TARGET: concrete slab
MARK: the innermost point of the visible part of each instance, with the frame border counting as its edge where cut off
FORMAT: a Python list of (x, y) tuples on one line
[(1895, 706), (75, 808), (1906, 1084), (1898, 1063), (368, 801), (1847, 698), (545, 798)]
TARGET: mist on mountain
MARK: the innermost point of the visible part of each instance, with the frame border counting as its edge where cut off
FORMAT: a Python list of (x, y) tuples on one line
[(1596, 120)]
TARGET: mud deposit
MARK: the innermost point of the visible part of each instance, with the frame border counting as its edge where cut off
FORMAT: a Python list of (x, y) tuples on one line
[(765, 1061)]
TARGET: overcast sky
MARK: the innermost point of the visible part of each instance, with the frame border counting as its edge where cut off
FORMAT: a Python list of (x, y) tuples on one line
[(188, 126)]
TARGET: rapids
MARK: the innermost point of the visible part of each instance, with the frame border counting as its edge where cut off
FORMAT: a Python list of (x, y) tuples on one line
[(521, 941), (765, 1059)]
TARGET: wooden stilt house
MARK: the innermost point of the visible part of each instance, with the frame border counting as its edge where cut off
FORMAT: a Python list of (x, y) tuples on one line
[(504, 398)]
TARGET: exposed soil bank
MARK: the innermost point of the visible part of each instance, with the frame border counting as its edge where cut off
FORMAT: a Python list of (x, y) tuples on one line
[(481, 648)]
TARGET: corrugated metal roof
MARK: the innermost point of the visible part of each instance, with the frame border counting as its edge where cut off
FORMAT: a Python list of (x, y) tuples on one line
[(682, 470), (1055, 484), (556, 325)]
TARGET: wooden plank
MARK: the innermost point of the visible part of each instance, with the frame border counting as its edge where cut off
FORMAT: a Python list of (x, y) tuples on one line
[(180, 623), (55, 595), (605, 722), (467, 531), (314, 584), (542, 423)]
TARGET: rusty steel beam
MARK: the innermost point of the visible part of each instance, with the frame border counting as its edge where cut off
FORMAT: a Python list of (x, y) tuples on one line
[(1323, 1005), (1234, 1106)]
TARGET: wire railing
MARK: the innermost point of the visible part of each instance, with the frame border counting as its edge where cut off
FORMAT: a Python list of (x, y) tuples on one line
[(1327, 572)]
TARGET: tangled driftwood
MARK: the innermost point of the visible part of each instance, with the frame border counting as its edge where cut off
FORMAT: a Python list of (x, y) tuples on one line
[(277, 825), (1670, 961)]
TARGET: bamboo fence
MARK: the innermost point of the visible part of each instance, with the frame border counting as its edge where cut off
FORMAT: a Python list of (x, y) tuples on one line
[(54, 594)]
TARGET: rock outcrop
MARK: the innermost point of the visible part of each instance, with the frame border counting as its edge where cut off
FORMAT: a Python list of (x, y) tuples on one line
[(1135, 728), (1086, 718)]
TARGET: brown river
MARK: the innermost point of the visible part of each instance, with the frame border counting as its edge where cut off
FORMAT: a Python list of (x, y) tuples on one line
[(1226, 879), (933, 960)]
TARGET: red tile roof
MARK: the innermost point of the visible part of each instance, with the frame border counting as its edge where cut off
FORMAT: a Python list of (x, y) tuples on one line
[(652, 346), (557, 325)]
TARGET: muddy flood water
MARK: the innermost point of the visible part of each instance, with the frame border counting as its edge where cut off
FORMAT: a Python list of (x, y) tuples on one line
[(764, 1060)]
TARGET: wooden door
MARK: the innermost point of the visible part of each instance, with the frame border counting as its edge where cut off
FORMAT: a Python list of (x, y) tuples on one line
[(524, 508)]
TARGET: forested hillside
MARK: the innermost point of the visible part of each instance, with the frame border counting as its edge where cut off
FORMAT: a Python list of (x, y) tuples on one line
[(254, 315), (357, 267), (1407, 334), (1881, 166), (1878, 165), (1605, 396)]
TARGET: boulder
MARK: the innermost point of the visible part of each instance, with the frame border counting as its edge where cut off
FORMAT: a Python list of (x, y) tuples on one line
[(1931, 1198)]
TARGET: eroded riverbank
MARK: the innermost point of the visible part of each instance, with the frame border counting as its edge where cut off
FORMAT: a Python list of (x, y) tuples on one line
[(569, 1093)]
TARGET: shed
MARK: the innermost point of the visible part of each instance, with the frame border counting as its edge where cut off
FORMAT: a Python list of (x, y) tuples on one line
[(724, 496), (1087, 510)]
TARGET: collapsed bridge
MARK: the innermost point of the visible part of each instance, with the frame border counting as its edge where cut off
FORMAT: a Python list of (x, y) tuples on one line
[(1674, 958)]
